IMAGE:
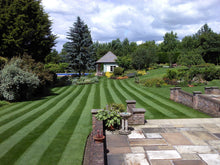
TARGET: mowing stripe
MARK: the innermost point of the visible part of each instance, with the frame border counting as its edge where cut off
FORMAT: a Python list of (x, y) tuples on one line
[(187, 111), (130, 96), (158, 102), (96, 103), (121, 97), (107, 93), (19, 148), (17, 131), (73, 153), (50, 134), (7, 118), (164, 111), (156, 113), (54, 152), (103, 100), (28, 117), (13, 109), (115, 97)]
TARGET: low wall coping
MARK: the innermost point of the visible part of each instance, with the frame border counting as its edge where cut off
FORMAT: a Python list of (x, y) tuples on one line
[(186, 93), (208, 97), (131, 101), (211, 87), (138, 110), (196, 93), (95, 111)]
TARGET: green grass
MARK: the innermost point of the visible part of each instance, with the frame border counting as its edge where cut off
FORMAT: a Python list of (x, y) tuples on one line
[(54, 130)]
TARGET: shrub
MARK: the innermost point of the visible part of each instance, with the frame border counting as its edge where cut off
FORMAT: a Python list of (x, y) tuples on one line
[(118, 71), (85, 80), (17, 84), (63, 81), (211, 73), (57, 68), (3, 61), (2, 103), (153, 82), (111, 116), (47, 78), (171, 74)]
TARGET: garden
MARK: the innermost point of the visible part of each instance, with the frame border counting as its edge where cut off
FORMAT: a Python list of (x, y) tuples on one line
[(33, 132)]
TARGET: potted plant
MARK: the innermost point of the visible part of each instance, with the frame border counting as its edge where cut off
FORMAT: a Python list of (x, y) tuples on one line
[(111, 116), (99, 137)]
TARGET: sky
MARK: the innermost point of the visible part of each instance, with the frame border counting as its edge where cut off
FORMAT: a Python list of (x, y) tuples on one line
[(137, 20)]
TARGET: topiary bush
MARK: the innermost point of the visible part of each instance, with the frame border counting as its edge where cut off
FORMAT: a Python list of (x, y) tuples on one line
[(17, 84), (118, 71)]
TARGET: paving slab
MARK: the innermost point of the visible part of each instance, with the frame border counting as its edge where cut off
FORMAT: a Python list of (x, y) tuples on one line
[(147, 142), (194, 149), (150, 148), (119, 150), (163, 154), (189, 162), (213, 128), (136, 159), (204, 135), (116, 159), (192, 129), (153, 135), (169, 147), (117, 141), (136, 134), (171, 130), (190, 157), (153, 130), (137, 150), (211, 159), (213, 142), (176, 139), (160, 162), (194, 138)]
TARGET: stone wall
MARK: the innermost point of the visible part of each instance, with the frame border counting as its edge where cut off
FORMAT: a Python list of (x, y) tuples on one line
[(212, 90), (138, 114), (209, 105), (185, 98), (197, 100), (180, 96), (94, 152)]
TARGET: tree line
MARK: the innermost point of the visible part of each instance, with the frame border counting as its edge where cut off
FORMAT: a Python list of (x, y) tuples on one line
[(203, 46)]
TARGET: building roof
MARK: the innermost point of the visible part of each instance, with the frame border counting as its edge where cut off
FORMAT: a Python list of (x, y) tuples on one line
[(108, 58)]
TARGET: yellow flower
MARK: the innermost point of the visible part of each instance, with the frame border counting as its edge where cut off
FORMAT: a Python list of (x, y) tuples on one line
[(141, 72), (108, 74)]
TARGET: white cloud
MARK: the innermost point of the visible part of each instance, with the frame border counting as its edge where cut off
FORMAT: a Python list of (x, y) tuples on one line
[(138, 20)]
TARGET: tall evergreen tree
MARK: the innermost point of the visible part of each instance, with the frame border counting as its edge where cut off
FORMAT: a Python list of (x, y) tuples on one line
[(25, 28), (80, 49)]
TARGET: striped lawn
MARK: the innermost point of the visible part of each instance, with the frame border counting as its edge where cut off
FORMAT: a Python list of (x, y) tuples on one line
[(54, 129)]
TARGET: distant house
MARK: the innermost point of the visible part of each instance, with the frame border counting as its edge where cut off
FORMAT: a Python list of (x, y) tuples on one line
[(106, 64)]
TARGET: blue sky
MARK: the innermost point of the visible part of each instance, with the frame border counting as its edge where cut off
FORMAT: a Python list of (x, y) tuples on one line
[(138, 20)]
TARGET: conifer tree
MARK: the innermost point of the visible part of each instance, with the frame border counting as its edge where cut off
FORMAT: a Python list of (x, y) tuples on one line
[(25, 29), (80, 51)]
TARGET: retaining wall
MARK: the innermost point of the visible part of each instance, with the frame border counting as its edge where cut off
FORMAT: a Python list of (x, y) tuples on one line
[(95, 152), (197, 100)]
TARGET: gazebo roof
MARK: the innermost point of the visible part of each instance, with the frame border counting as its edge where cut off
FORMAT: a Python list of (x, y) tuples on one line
[(107, 58)]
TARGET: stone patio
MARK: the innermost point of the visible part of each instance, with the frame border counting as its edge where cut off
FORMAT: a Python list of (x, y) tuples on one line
[(167, 142)]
